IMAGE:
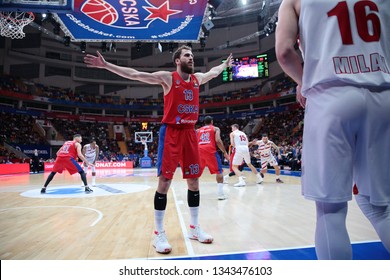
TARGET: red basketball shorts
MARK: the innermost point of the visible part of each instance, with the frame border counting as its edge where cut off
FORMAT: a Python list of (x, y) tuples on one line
[(210, 159), (67, 163), (178, 146)]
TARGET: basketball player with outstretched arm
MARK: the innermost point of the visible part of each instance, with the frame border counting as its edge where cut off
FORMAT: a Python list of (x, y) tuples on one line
[(177, 138), (91, 153), (67, 159), (344, 86), (264, 147)]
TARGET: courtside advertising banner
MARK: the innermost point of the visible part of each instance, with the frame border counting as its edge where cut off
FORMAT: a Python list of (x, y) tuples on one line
[(99, 165), (135, 20)]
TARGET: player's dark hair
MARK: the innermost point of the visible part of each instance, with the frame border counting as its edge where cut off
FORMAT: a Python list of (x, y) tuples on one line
[(264, 135), (92, 140), (177, 53), (208, 120), (236, 126), (76, 135)]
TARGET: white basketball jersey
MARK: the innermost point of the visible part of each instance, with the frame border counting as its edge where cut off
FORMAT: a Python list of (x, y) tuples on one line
[(264, 148), (345, 41), (240, 138), (90, 152)]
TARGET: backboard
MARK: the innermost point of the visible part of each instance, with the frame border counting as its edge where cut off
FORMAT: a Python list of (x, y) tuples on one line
[(143, 135)]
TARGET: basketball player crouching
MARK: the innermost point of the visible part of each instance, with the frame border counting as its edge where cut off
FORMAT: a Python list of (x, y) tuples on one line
[(67, 159)]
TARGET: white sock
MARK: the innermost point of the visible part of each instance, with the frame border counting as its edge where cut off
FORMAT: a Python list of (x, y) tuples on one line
[(194, 220), (159, 220), (220, 188), (93, 180)]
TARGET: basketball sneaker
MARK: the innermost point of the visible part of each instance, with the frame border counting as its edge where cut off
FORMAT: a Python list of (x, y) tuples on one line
[(279, 180), (88, 189), (197, 233), (226, 179), (241, 182), (43, 190), (222, 196), (161, 243), (259, 179)]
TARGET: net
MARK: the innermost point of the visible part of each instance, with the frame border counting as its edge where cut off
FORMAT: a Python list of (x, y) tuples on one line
[(12, 23)]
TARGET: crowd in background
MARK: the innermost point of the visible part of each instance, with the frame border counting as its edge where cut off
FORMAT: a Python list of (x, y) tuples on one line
[(283, 128), (20, 85)]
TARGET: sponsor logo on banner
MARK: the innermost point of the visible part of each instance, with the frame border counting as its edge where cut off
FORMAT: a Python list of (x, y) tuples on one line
[(135, 19), (98, 165)]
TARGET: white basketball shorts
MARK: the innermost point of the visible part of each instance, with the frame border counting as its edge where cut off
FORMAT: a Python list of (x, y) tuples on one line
[(241, 153), (346, 140)]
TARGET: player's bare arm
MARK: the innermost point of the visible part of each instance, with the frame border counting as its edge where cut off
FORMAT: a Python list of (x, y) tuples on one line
[(97, 154), (80, 154), (277, 149), (219, 142), (286, 36), (252, 143), (215, 71), (162, 78), (232, 140)]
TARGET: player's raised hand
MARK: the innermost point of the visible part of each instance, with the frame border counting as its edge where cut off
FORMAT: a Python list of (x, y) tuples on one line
[(229, 60), (95, 61)]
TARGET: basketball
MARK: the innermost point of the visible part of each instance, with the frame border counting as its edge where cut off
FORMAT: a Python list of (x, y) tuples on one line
[(100, 11)]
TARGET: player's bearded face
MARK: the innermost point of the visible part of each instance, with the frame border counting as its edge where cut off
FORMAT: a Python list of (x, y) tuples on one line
[(187, 67)]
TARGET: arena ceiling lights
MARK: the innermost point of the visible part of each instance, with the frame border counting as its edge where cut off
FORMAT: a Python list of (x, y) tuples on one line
[(134, 20)]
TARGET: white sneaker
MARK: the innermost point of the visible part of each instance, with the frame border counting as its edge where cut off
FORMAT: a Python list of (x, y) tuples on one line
[(226, 179), (259, 180), (222, 196), (197, 233), (161, 243), (241, 182)]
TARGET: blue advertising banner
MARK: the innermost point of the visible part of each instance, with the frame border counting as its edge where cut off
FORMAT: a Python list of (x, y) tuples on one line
[(28, 150), (135, 20)]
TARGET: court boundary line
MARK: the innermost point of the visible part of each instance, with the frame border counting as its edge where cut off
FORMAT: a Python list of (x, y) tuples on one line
[(258, 251), (100, 214), (187, 242)]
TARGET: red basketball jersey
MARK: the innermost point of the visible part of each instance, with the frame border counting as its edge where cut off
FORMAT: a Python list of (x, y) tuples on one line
[(181, 104), (206, 138), (68, 150)]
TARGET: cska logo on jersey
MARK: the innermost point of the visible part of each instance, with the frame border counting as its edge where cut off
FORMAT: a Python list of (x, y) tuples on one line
[(128, 14)]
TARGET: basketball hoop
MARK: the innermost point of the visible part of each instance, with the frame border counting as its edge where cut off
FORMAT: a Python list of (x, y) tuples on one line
[(12, 23), (143, 141)]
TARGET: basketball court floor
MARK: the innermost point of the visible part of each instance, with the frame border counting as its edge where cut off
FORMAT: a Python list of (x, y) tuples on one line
[(116, 221)]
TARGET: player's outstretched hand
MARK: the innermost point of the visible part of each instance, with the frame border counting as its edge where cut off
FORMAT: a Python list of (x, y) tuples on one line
[(229, 60), (95, 61)]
